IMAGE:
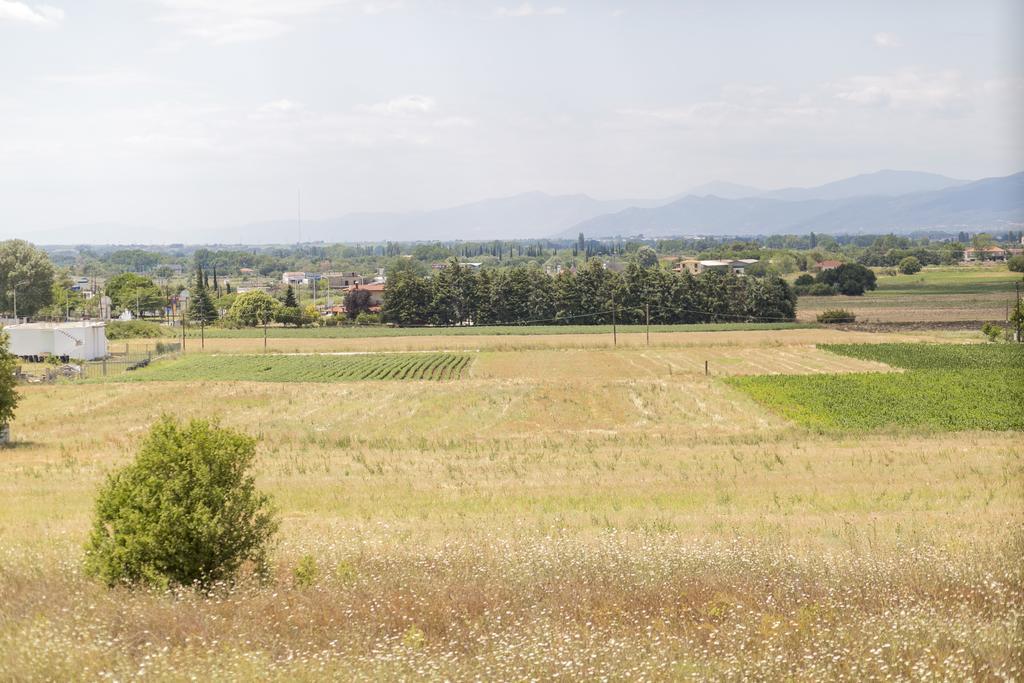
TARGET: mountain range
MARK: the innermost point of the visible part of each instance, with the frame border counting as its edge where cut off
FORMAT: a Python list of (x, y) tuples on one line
[(887, 201), (884, 201)]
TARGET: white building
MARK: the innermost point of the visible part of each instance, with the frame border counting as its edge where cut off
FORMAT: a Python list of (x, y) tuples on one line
[(81, 341), (293, 278)]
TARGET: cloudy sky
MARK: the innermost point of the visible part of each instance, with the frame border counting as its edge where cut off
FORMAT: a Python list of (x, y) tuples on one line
[(195, 113)]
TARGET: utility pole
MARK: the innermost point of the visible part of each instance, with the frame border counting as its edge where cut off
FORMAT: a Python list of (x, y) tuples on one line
[(647, 308), (615, 335)]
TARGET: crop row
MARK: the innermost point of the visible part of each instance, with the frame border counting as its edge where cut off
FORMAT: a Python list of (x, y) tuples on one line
[(310, 368), (939, 399), (924, 356)]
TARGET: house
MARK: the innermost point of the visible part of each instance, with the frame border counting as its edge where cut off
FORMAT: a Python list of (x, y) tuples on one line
[(343, 280), (81, 340), (246, 272), (829, 264), (376, 290), (293, 278), (695, 267), (985, 254)]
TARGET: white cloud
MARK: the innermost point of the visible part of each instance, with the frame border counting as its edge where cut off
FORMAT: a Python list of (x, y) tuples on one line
[(235, 21), (943, 92), (283, 106), (39, 15), (887, 40), (410, 104), (528, 10)]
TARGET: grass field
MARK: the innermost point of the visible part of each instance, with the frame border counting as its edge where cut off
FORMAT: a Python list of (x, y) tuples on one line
[(305, 368), (947, 386), (563, 510), (934, 294)]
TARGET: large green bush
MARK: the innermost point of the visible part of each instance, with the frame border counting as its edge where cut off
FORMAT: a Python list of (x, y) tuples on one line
[(185, 512), (836, 315), (910, 265), (1016, 264)]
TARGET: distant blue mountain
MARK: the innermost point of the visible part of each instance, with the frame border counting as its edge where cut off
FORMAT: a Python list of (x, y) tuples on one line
[(989, 203)]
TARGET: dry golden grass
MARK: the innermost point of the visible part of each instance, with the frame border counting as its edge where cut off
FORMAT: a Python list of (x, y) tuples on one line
[(578, 513)]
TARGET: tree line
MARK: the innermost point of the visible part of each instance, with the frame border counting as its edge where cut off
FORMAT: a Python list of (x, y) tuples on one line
[(458, 295)]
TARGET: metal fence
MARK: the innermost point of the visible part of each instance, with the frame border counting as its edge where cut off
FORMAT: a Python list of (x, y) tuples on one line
[(126, 361), (114, 364)]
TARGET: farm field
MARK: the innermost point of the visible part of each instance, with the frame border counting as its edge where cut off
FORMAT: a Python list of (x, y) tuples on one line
[(563, 510), (934, 294), (668, 340), (947, 386), (305, 367), (356, 332)]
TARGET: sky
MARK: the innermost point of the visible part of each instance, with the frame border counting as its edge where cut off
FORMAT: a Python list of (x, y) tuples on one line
[(187, 114)]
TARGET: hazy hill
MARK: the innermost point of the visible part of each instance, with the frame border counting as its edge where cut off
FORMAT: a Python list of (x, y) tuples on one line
[(986, 203), (886, 183)]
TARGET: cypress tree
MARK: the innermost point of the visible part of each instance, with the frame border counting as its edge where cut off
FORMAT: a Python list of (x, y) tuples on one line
[(289, 298), (201, 308)]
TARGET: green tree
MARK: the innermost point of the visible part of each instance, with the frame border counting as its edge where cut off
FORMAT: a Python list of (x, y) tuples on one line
[(646, 257), (185, 512), (135, 293), (356, 301), (981, 242), (289, 298), (406, 299), (910, 265), (254, 308), (8, 393), (26, 272), (1016, 264), (201, 309)]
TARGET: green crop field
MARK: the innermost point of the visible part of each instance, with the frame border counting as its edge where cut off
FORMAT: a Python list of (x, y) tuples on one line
[(934, 295), (947, 386), (948, 280), (936, 356), (306, 367)]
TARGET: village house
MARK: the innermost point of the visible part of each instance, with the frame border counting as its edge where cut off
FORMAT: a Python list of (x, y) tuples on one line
[(986, 254), (696, 267), (828, 264), (376, 290), (293, 278), (343, 280)]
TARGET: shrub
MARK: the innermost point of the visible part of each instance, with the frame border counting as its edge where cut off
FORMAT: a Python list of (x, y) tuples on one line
[(993, 332), (306, 571), (1016, 264), (805, 279), (836, 315), (185, 511), (910, 265), (821, 289), (368, 319), (136, 329)]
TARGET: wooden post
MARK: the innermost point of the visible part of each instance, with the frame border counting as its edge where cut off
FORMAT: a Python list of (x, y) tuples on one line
[(647, 308), (615, 334), (705, 367)]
